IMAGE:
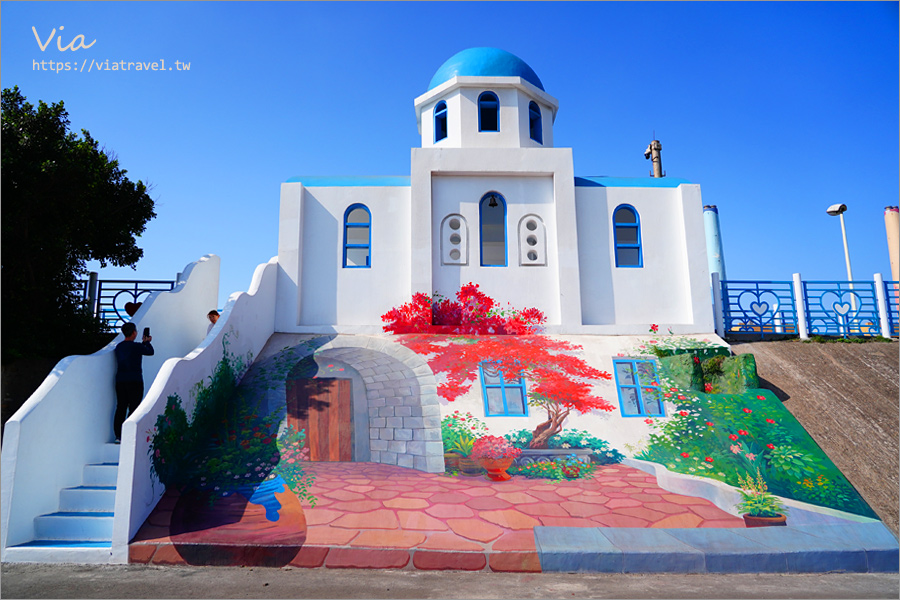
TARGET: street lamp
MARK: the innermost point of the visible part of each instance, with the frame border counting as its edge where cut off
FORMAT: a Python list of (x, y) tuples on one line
[(838, 210)]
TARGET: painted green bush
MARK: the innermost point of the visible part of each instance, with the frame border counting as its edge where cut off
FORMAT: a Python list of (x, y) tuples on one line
[(571, 439), (561, 469), (727, 435), (716, 373), (227, 445)]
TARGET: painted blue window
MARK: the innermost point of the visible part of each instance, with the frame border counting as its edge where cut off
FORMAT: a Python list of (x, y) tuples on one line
[(503, 397), (627, 226), (440, 121), (357, 237), (488, 112), (534, 123), (492, 217), (638, 385)]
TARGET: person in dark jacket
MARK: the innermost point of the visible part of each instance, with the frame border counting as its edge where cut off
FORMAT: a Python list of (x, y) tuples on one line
[(129, 375)]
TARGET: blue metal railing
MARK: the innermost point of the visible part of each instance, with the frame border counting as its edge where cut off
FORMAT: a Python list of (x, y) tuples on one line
[(759, 307), (841, 308), (114, 294), (892, 295)]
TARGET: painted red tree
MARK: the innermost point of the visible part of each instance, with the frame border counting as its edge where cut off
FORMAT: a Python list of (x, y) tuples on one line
[(559, 381)]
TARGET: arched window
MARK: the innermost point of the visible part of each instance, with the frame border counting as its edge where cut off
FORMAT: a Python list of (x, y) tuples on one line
[(488, 112), (627, 227), (357, 237), (534, 123), (440, 121), (492, 216)]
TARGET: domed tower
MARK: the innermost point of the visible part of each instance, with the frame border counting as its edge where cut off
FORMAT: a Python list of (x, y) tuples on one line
[(486, 98), (489, 192)]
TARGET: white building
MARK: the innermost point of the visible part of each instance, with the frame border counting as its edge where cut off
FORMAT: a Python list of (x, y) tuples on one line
[(490, 200)]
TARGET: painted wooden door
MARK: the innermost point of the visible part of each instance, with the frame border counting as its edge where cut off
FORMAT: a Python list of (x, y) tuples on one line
[(324, 408)]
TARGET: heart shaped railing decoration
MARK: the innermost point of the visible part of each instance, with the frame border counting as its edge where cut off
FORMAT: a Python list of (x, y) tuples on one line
[(758, 309)]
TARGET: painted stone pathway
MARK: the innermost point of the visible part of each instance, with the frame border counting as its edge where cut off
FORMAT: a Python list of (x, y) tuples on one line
[(378, 516)]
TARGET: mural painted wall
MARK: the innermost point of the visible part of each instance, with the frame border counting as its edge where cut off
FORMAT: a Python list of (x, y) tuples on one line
[(303, 458)]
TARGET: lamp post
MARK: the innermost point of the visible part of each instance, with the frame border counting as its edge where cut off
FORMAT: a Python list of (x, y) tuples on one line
[(838, 210)]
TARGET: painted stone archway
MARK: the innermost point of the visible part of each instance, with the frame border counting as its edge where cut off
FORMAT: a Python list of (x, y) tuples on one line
[(396, 417)]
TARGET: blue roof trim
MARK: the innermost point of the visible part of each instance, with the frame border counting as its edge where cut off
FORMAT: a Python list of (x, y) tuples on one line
[(655, 182), (485, 62), (338, 181)]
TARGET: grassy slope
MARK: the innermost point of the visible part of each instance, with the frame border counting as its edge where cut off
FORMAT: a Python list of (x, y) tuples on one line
[(846, 396)]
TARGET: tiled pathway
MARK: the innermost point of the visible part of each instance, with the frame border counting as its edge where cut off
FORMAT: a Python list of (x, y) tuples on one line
[(378, 516)]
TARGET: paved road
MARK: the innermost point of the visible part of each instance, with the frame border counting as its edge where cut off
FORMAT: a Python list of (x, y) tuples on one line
[(141, 581)]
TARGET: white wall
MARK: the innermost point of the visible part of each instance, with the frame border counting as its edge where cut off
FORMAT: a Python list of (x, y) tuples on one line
[(436, 176), (522, 286), (64, 424), (248, 320), (668, 288), (598, 352), (315, 291)]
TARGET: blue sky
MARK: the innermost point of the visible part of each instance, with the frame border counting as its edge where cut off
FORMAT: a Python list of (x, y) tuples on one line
[(777, 110)]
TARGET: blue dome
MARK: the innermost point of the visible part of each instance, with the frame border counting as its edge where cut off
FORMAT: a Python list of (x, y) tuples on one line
[(485, 62)]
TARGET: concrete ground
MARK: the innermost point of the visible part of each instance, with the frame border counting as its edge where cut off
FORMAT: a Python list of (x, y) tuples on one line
[(143, 581)]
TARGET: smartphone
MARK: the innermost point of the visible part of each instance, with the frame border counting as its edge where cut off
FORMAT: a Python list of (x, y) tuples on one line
[(146, 332)]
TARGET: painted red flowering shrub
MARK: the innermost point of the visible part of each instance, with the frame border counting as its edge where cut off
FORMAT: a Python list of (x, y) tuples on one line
[(558, 381), (473, 312)]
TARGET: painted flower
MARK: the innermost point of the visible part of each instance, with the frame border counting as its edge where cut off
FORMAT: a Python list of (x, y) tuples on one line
[(681, 397), (770, 446), (683, 413), (742, 432), (667, 395), (732, 437), (685, 454), (697, 360), (748, 411), (760, 397), (654, 328), (653, 341), (648, 421), (735, 449), (707, 387), (708, 459), (770, 421), (751, 456)]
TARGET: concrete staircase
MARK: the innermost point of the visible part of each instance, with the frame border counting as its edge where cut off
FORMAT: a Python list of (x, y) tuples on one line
[(84, 520)]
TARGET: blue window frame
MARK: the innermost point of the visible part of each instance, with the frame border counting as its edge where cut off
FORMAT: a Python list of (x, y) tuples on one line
[(488, 112), (534, 123), (440, 121), (627, 231), (357, 237), (638, 385), (492, 227), (503, 397)]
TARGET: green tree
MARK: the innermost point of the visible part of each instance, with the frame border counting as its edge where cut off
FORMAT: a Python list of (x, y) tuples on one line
[(65, 201)]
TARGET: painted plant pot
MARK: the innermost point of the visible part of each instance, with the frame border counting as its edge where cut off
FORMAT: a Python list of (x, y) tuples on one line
[(469, 466), (451, 461), (496, 468), (261, 524), (756, 521)]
